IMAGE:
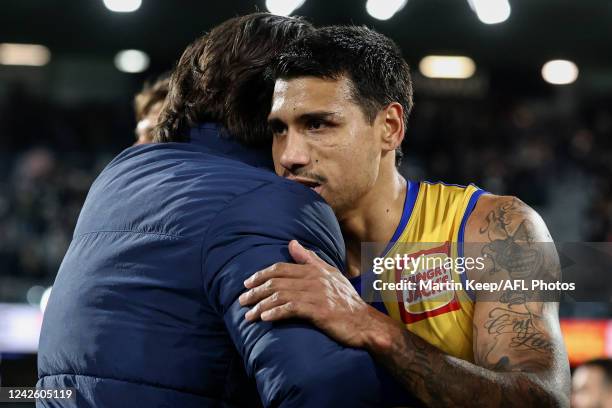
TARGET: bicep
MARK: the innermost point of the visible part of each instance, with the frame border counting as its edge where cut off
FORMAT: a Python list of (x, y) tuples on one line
[(516, 327)]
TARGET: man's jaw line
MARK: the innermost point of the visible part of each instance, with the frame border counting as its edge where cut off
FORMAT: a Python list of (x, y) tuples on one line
[(367, 220)]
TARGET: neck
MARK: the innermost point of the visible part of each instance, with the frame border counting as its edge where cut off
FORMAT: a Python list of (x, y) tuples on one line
[(374, 218)]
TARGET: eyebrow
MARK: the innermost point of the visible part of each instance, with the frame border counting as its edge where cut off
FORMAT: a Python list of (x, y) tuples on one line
[(316, 115), (319, 115)]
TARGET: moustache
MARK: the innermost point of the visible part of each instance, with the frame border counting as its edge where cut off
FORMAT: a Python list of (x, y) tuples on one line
[(307, 175)]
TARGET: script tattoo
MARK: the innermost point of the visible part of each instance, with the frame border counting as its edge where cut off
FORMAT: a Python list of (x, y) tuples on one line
[(525, 335)]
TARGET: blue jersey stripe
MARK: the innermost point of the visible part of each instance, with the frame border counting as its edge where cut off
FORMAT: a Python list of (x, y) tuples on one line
[(470, 207), (412, 191), (411, 195)]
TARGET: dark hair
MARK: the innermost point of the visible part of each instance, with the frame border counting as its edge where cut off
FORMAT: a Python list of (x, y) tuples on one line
[(151, 93), (605, 364), (372, 62), (220, 77)]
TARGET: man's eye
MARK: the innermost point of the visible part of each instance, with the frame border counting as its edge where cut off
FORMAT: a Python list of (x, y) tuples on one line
[(315, 124), (277, 129)]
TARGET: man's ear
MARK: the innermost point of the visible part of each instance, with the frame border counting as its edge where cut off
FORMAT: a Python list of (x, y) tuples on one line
[(392, 118)]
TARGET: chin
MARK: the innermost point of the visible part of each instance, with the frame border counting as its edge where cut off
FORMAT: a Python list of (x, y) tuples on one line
[(333, 204)]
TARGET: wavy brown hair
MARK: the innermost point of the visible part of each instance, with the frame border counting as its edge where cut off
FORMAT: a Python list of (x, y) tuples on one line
[(152, 92), (220, 78)]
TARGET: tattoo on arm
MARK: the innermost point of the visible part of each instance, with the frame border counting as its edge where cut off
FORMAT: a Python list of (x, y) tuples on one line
[(516, 344), (525, 335), (514, 250)]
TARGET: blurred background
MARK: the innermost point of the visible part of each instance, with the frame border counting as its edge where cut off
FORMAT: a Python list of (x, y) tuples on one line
[(513, 95)]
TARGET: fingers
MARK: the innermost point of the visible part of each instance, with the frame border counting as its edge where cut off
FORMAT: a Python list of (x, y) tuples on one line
[(291, 304), (286, 290), (290, 310), (302, 255), (271, 286), (278, 270)]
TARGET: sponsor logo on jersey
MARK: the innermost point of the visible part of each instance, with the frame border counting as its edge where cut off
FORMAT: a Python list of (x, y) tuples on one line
[(433, 292)]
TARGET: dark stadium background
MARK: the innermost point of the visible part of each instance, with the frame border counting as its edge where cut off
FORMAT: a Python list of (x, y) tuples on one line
[(505, 128)]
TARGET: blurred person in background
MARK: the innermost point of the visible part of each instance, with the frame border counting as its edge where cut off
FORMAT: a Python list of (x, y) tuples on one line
[(148, 105), (144, 310), (592, 384)]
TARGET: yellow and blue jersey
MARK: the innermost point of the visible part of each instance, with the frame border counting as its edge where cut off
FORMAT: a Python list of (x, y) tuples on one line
[(433, 226)]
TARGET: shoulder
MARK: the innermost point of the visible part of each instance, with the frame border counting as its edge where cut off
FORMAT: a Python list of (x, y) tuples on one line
[(280, 205), (261, 223), (280, 211), (498, 217), (270, 193), (513, 238)]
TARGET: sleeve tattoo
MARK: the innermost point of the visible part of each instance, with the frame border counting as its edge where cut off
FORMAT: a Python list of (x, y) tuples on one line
[(515, 253), (519, 356)]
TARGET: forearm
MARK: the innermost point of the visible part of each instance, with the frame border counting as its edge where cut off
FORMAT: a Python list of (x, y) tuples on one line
[(438, 379)]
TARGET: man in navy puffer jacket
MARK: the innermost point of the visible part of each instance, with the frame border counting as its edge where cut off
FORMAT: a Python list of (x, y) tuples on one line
[(144, 311)]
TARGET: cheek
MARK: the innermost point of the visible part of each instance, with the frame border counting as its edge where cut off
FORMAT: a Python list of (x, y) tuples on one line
[(362, 169), (355, 167), (276, 153)]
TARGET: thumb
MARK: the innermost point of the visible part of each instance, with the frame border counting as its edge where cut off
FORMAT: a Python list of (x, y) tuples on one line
[(302, 255)]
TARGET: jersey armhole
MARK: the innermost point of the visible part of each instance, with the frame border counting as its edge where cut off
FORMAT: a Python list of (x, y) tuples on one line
[(460, 238)]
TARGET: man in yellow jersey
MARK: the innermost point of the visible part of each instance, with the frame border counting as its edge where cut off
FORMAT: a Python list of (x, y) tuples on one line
[(338, 117)]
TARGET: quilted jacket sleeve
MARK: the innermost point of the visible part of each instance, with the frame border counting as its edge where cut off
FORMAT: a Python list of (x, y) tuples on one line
[(293, 363)]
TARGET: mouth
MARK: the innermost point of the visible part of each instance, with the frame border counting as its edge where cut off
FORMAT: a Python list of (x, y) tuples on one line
[(311, 184)]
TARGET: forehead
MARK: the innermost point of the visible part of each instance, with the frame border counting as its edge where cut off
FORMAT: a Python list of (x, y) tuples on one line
[(300, 95)]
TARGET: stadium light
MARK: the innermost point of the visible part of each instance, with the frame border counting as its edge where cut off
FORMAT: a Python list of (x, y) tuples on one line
[(560, 72), (447, 66), (131, 61), (123, 6), (24, 54), (491, 11), (384, 9), (283, 7)]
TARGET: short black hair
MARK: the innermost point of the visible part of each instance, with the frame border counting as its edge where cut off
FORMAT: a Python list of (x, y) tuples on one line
[(605, 364), (220, 78), (371, 61)]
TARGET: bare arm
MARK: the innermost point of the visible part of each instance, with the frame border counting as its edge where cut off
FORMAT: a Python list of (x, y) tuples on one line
[(519, 354)]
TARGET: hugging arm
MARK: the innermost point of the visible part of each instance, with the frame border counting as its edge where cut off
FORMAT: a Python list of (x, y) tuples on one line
[(293, 363), (519, 354)]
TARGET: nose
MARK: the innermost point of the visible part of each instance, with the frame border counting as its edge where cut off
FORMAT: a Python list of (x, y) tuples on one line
[(294, 152)]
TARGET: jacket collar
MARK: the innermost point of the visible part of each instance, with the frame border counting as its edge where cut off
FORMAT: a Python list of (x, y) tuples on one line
[(214, 138)]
